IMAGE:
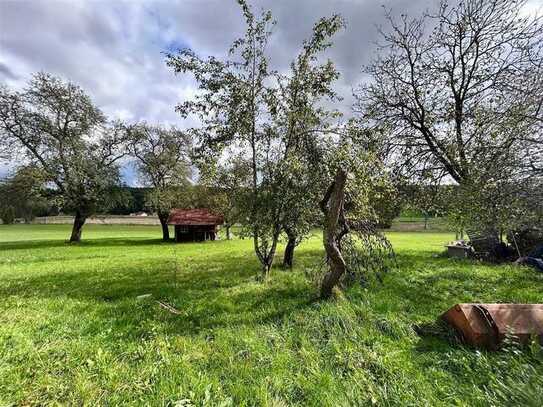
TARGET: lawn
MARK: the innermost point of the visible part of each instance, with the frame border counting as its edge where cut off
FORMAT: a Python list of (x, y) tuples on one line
[(73, 331)]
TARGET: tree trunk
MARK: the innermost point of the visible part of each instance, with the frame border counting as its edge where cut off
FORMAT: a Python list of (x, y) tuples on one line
[(228, 235), (269, 258), (288, 258), (332, 207), (425, 221), (77, 228), (266, 257), (266, 268), (163, 217)]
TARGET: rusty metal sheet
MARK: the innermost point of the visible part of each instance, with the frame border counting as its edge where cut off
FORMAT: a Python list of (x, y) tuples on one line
[(487, 325)]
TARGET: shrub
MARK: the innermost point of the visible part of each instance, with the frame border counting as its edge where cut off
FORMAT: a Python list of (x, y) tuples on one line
[(7, 215)]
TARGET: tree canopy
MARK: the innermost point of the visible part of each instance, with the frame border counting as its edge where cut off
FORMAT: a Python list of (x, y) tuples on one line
[(162, 160), (59, 130)]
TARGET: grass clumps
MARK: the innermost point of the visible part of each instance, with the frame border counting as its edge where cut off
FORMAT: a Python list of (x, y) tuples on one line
[(73, 331)]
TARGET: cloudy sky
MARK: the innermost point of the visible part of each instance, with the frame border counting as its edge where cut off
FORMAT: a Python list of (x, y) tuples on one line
[(113, 48)]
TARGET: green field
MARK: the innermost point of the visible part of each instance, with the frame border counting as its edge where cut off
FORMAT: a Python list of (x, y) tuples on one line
[(72, 330)]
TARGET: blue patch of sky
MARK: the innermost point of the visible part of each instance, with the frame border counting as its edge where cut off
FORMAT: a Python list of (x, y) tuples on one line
[(165, 36), (129, 175)]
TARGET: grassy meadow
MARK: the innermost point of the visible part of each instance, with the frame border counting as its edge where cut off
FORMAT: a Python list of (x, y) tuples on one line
[(73, 330)]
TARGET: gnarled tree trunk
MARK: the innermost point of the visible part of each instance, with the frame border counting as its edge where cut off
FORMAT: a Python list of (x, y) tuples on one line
[(77, 227), (288, 257), (163, 217), (334, 227)]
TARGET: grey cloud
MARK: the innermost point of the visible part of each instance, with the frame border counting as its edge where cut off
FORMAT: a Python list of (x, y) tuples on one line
[(113, 48), (6, 72)]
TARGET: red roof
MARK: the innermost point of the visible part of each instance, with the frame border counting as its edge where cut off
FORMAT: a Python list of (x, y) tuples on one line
[(194, 217)]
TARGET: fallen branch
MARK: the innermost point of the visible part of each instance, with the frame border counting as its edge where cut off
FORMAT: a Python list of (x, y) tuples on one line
[(169, 308)]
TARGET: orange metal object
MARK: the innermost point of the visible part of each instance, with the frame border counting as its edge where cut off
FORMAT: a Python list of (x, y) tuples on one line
[(486, 325)]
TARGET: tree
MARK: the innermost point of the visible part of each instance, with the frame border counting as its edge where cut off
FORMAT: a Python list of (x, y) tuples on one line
[(459, 90), (231, 106), (388, 205), (163, 164), (69, 139), (224, 187), (303, 124), (354, 246), (238, 101), (24, 193)]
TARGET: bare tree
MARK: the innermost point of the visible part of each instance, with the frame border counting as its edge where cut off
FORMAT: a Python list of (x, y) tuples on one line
[(162, 160), (60, 131), (460, 89)]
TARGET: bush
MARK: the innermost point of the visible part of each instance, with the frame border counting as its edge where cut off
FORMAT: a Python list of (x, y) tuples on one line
[(7, 215)]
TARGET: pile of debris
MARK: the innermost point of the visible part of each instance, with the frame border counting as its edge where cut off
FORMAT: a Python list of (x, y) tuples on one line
[(524, 247), (529, 245)]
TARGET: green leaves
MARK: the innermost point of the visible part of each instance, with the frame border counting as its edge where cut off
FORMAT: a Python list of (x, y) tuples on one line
[(271, 122), (56, 125)]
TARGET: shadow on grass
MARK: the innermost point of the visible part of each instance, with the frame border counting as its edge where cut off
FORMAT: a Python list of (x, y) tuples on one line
[(212, 291), (219, 288), (107, 242)]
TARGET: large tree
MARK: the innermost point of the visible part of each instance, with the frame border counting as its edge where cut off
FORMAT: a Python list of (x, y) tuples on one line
[(231, 105), (460, 89), (59, 130), (239, 103), (162, 161)]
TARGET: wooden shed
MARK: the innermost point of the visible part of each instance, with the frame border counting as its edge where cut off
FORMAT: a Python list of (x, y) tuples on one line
[(194, 225)]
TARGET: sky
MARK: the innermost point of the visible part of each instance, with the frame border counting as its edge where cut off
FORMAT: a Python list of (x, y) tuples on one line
[(114, 48)]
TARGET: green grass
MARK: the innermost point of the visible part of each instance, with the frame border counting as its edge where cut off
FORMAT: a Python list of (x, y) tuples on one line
[(72, 330)]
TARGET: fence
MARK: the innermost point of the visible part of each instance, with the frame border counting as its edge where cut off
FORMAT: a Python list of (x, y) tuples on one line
[(100, 220)]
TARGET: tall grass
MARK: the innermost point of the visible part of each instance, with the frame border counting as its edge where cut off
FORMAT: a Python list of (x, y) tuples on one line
[(73, 331)]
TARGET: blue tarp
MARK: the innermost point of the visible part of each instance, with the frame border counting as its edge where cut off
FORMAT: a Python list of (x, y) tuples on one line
[(535, 258)]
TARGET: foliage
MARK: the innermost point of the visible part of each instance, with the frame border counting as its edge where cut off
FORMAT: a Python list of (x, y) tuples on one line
[(388, 205), (162, 161), (354, 247), (429, 198), (7, 214), (264, 116), (63, 134), (497, 205), (132, 200), (24, 193), (224, 188)]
